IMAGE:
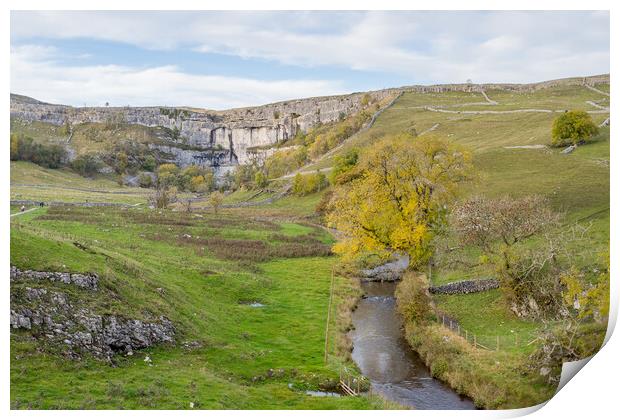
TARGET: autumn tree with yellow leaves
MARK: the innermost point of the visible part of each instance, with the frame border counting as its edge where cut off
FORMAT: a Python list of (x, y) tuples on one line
[(400, 200)]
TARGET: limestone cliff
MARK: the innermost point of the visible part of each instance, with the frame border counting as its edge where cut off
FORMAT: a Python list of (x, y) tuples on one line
[(220, 139), (223, 139)]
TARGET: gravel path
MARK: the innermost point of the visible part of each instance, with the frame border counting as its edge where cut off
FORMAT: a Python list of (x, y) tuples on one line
[(592, 88), (487, 98), (24, 212), (511, 111)]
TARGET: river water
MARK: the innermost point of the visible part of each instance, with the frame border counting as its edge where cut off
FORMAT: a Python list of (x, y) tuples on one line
[(383, 355)]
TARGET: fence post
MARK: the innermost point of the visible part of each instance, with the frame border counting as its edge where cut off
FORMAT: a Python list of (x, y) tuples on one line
[(497, 342), (458, 327), (451, 324), (466, 338)]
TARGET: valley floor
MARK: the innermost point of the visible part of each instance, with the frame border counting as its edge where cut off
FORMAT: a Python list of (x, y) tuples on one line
[(203, 271)]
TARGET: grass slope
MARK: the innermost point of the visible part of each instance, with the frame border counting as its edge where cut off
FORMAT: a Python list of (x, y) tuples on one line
[(137, 252)]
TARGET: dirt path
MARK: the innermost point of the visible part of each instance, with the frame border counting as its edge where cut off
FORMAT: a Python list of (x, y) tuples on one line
[(291, 175), (595, 105), (592, 88), (511, 111), (428, 130), (48, 187), (24, 212), (492, 102)]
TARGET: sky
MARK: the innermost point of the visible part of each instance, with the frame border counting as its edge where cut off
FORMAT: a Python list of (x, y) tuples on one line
[(220, 60)]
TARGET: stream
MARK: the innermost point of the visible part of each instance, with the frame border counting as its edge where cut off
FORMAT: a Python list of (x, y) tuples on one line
[(384, 356)]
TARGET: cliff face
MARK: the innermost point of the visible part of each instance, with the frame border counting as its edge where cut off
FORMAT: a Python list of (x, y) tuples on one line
[(224, 139), (221, 139)]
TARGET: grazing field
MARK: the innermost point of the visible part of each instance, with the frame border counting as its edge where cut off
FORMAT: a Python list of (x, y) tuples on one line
[(246, 357)]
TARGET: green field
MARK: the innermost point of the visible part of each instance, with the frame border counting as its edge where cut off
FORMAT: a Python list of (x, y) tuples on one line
[(205, 291)]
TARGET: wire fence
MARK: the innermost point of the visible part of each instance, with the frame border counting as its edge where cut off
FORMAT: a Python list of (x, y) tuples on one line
[(490, 342)]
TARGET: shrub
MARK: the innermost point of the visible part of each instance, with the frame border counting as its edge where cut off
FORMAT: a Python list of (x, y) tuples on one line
[(341, 173), (324, 205), (198, 184), (24, 148), (215, 200), (145, 180), (307, 184), (168, 167), (571, 128), (260, 179), (412, 299), (162, 197), (149, 163), (365, 100), (86, 164)]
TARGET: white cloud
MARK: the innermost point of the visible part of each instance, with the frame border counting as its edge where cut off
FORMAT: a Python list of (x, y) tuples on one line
[(416, 47), (35, 73)]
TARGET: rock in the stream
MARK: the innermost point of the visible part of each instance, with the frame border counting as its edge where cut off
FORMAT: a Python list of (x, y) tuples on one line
[(391, 271)]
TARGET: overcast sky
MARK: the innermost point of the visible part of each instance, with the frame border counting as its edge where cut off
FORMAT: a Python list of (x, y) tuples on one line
[(229, 59)]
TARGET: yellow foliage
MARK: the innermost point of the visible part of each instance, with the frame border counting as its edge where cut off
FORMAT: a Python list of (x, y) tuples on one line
[(399, 201)]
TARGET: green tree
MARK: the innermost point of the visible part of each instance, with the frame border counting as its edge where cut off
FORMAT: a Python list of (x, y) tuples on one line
[(572, 127), (86, 164), (149, 163), (343, 167), (145, 180), (260, 179), (122, 161)]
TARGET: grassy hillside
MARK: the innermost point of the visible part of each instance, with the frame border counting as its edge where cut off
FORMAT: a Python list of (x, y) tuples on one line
[(33, 182), (207, 288)]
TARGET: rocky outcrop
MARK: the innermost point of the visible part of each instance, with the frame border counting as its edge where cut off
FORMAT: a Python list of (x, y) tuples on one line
[(213, 138), (465, 287), (86, 280), (58, 319), (224, 139)]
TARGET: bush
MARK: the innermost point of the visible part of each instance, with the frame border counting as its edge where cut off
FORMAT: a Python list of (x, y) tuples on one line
[(341, 173), (24, 148), (571, 128), (308, 184), (412, 299), (324, 205), (198, 184), (145, 180), (86, 164), (168, 167), (260, 179), (163, 197), (149, 163)]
